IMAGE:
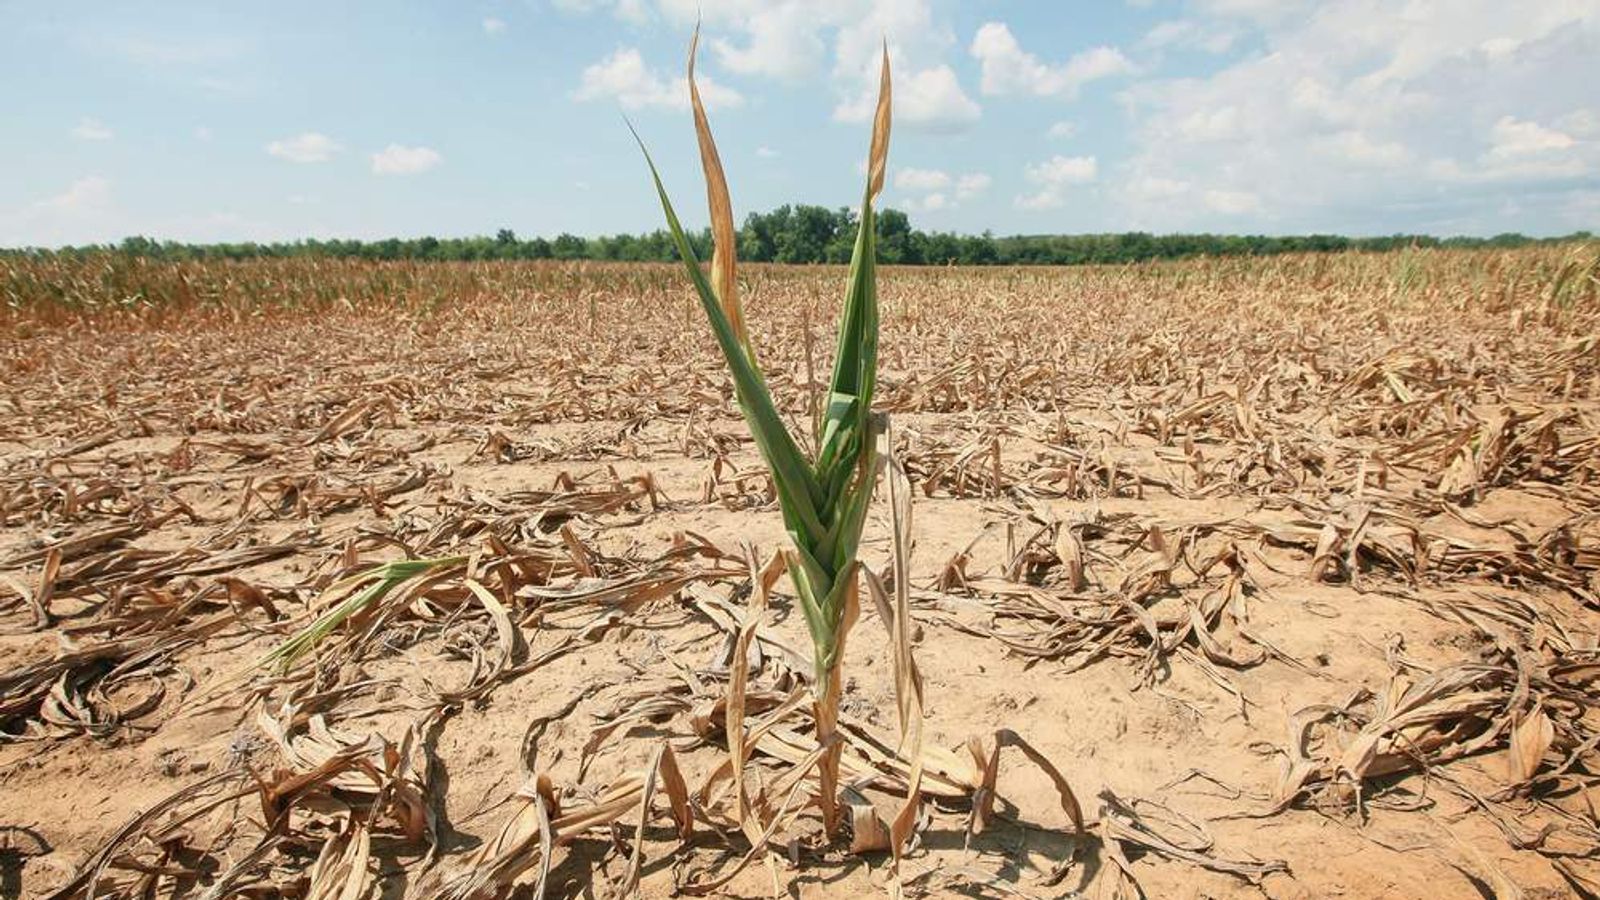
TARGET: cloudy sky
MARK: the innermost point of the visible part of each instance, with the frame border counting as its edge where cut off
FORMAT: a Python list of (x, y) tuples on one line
[(208, 121)]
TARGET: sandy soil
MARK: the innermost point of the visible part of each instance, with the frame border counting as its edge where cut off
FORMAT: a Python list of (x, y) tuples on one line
[(1390, 491)]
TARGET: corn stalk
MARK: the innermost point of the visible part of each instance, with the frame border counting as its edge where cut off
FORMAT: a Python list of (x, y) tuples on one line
[(824, 499)]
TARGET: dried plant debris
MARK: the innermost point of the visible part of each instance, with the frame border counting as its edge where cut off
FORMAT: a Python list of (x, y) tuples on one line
[(1226, 576)]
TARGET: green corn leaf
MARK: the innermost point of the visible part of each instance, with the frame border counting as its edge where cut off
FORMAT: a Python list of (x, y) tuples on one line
[(824, 500), (790, 474), (382, 579)]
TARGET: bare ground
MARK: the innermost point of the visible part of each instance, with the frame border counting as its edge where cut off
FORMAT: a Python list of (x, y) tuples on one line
[(1288, 567)]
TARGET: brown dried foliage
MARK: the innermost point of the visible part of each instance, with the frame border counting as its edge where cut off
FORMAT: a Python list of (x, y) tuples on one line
[(1162, 465)]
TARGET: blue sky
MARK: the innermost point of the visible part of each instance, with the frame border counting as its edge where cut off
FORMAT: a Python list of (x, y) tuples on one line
[(228, 121)]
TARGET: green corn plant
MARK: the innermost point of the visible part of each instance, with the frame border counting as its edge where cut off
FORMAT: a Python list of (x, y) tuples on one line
[(359, 591), (824, 498)]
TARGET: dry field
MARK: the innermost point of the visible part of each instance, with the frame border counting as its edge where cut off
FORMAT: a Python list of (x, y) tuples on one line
[(1229, 578)]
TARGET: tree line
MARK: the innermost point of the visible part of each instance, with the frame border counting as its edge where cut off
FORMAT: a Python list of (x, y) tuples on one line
[(812, 234)]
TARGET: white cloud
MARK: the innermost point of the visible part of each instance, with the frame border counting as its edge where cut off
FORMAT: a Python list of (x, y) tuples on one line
[(226, 86), (87, 211), (1580, 210), (1169, 191), (202, 133), (189, 51), (493, 26), (1053, 177), (1232, 202), (227, 225), (1062, 130), (624, 77), (1362, 115), (1518, 151), (1585, 123), (89, 129), (634, 12), (1209, 125), (1167, 33), (1488, 170), (972, 184), (796, 40), (1263, 11), (183, 55), (1152, 188), (767, 153), (83, 212), (1188, 34), (398, 160), (781, 41), (308, 147), (84, 195), (931, 190), (931, 99), (1499, 47), (916, 41), (1008, 69), (921, 179), (934, 98), (1041, 201), (928, 95), (1064, 170), (1355, 147), (1512, 138)]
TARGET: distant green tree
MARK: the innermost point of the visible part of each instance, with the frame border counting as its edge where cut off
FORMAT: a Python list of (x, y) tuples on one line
[(807, 232), (895, 244), (568, 246), (810, 234), (758, 238)]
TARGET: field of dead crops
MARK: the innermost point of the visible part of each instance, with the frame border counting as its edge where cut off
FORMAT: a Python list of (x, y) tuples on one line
[(1225, 578)]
